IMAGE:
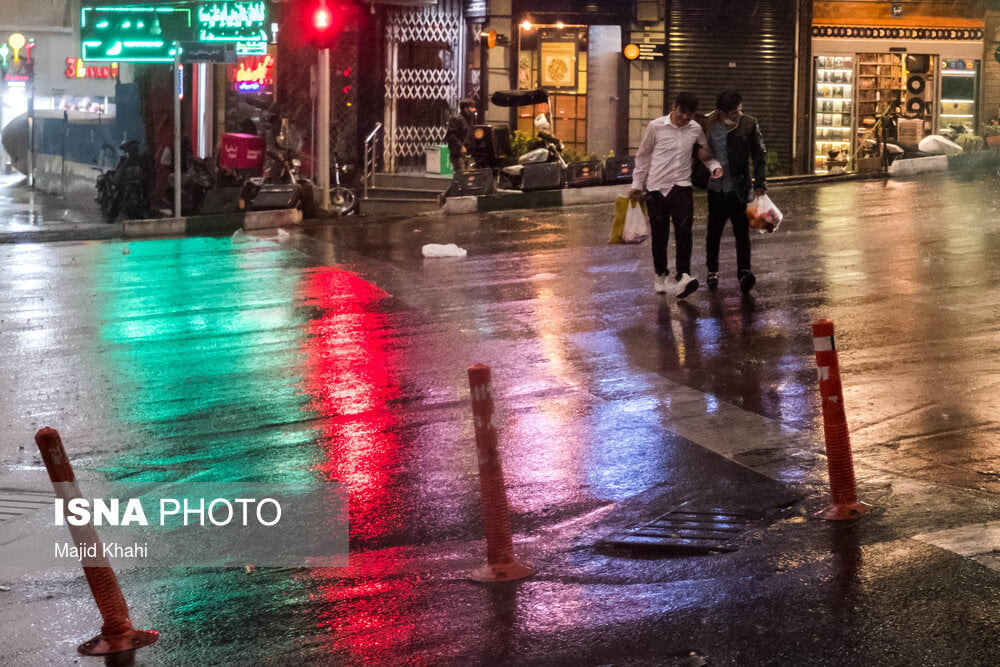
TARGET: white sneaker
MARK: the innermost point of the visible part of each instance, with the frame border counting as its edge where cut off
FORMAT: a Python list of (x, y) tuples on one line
[(660, 285), (686, 285)]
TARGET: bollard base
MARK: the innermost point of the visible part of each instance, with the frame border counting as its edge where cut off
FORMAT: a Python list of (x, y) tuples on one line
[(131, 640), (842, 511), (501, 572)]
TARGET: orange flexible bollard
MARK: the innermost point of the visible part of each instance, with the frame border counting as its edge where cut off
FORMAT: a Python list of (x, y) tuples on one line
[(838, 440), (500, 562), (117, 634)]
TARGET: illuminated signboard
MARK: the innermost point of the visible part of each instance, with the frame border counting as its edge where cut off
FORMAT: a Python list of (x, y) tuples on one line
[(133, 34), (76, 68), (254, 74), (16, 62), (232, 22)]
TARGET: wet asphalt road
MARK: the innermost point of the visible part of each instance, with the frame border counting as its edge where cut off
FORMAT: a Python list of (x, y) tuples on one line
[(339, 352)]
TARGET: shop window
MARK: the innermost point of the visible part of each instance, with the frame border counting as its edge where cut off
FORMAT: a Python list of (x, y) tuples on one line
[(556, 59)]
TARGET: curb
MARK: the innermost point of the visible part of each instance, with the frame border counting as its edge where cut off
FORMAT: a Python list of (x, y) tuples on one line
[(600, 194), (210, 225)]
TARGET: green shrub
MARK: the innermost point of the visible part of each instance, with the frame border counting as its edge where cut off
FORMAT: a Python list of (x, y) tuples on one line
[(520, 142), (970, 143)]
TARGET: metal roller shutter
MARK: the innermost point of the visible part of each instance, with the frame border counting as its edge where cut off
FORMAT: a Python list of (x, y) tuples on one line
[(747, 45)]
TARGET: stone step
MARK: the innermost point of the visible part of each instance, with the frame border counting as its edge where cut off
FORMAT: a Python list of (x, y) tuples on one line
[(404, 193), (414, 180), (397, 207)]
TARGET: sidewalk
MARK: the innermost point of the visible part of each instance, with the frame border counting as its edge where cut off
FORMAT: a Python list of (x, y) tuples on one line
[(35, 217)]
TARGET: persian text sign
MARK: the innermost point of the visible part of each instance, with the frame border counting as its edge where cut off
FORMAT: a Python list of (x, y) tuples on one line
[(133, 34), (76, 68), (232, 22)]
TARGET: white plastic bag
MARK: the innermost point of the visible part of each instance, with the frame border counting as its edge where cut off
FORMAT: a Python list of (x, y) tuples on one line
[(763, 215), (440, 250), (636, 228)]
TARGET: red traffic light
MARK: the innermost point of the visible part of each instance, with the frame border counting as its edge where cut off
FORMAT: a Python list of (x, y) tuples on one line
[(325, 20), (322, 19)]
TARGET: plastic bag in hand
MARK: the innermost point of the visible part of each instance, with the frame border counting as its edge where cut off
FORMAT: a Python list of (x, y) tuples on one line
[(636, 228), (763, 215)]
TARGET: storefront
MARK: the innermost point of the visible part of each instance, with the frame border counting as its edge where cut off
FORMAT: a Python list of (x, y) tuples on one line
[(716, 45), (578, 58), (42, 71), (907, 76)]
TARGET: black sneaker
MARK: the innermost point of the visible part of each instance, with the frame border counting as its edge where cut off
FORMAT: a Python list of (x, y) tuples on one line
[(713, 280), (747, 281)]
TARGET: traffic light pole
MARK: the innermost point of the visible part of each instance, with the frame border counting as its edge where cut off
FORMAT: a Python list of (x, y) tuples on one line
[(178, 93), (323, 131)]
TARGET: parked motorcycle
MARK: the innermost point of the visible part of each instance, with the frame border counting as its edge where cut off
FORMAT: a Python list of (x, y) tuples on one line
[(196, 181), (282, 175), (548, 149), (125, 189), (343, 201)]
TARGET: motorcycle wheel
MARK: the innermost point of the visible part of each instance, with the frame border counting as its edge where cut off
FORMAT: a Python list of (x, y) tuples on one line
[(135, 204), (342, 200), (109, 208)]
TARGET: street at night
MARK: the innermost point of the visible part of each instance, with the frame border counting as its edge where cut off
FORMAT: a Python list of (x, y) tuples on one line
[(337, 352)]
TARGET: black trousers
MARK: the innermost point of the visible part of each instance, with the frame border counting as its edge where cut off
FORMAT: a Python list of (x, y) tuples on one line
[(724, 206), (676, 206)]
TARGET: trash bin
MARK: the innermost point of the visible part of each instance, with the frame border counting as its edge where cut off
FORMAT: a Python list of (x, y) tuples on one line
[(438, 159)]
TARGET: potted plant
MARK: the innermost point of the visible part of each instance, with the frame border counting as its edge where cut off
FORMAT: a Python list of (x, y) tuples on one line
[(991, 131)]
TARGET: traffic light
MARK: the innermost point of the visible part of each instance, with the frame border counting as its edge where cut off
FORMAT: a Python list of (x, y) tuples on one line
[(325, 20)]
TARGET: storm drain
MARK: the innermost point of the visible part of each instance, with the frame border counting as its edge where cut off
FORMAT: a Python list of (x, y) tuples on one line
[(13, 505), (688, 530)]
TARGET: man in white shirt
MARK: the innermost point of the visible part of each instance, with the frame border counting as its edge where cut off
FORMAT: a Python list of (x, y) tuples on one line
[(663, 168)]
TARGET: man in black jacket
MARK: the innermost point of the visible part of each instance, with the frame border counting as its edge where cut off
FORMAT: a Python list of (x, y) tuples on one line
[(459, 139), (459, 133), (734, 138)]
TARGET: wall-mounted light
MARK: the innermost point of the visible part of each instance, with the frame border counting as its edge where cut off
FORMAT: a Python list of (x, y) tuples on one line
[(896, 10), (526, 25)]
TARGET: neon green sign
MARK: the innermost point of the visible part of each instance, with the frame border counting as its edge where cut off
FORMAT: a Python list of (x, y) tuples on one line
[(232, 22), (133, 34)]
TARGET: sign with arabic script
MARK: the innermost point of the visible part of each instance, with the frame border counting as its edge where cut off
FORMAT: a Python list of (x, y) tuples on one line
[(231, 22), (133, 34), (197, 52)]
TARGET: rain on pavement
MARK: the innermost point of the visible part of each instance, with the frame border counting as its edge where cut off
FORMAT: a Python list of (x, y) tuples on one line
[(338, 352)]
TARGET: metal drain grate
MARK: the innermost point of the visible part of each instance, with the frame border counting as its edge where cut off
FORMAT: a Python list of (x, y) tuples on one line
[(688, 530), (13, 505)]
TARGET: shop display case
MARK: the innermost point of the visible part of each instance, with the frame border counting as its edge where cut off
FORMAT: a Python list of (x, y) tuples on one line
[(957, 106), (834, 76)]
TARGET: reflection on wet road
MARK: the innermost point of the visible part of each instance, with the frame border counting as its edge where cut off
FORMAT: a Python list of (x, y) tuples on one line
[(340, 353)]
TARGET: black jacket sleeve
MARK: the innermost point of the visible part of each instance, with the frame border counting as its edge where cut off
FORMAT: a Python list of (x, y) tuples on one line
[(759, 154)]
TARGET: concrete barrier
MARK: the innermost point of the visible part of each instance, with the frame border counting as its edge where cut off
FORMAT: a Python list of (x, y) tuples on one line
[(918, 165), (211, 225)]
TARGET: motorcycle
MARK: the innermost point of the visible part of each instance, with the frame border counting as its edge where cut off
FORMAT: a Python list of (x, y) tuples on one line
[(125, 189), (342, 198), (196, 181), (282, 172), (549, 149)]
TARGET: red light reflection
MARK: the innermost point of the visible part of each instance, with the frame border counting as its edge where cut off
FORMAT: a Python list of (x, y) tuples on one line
[(350, 373), (350, 370)]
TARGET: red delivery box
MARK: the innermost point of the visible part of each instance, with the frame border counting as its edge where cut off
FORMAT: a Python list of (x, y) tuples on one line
[(241, 151)]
